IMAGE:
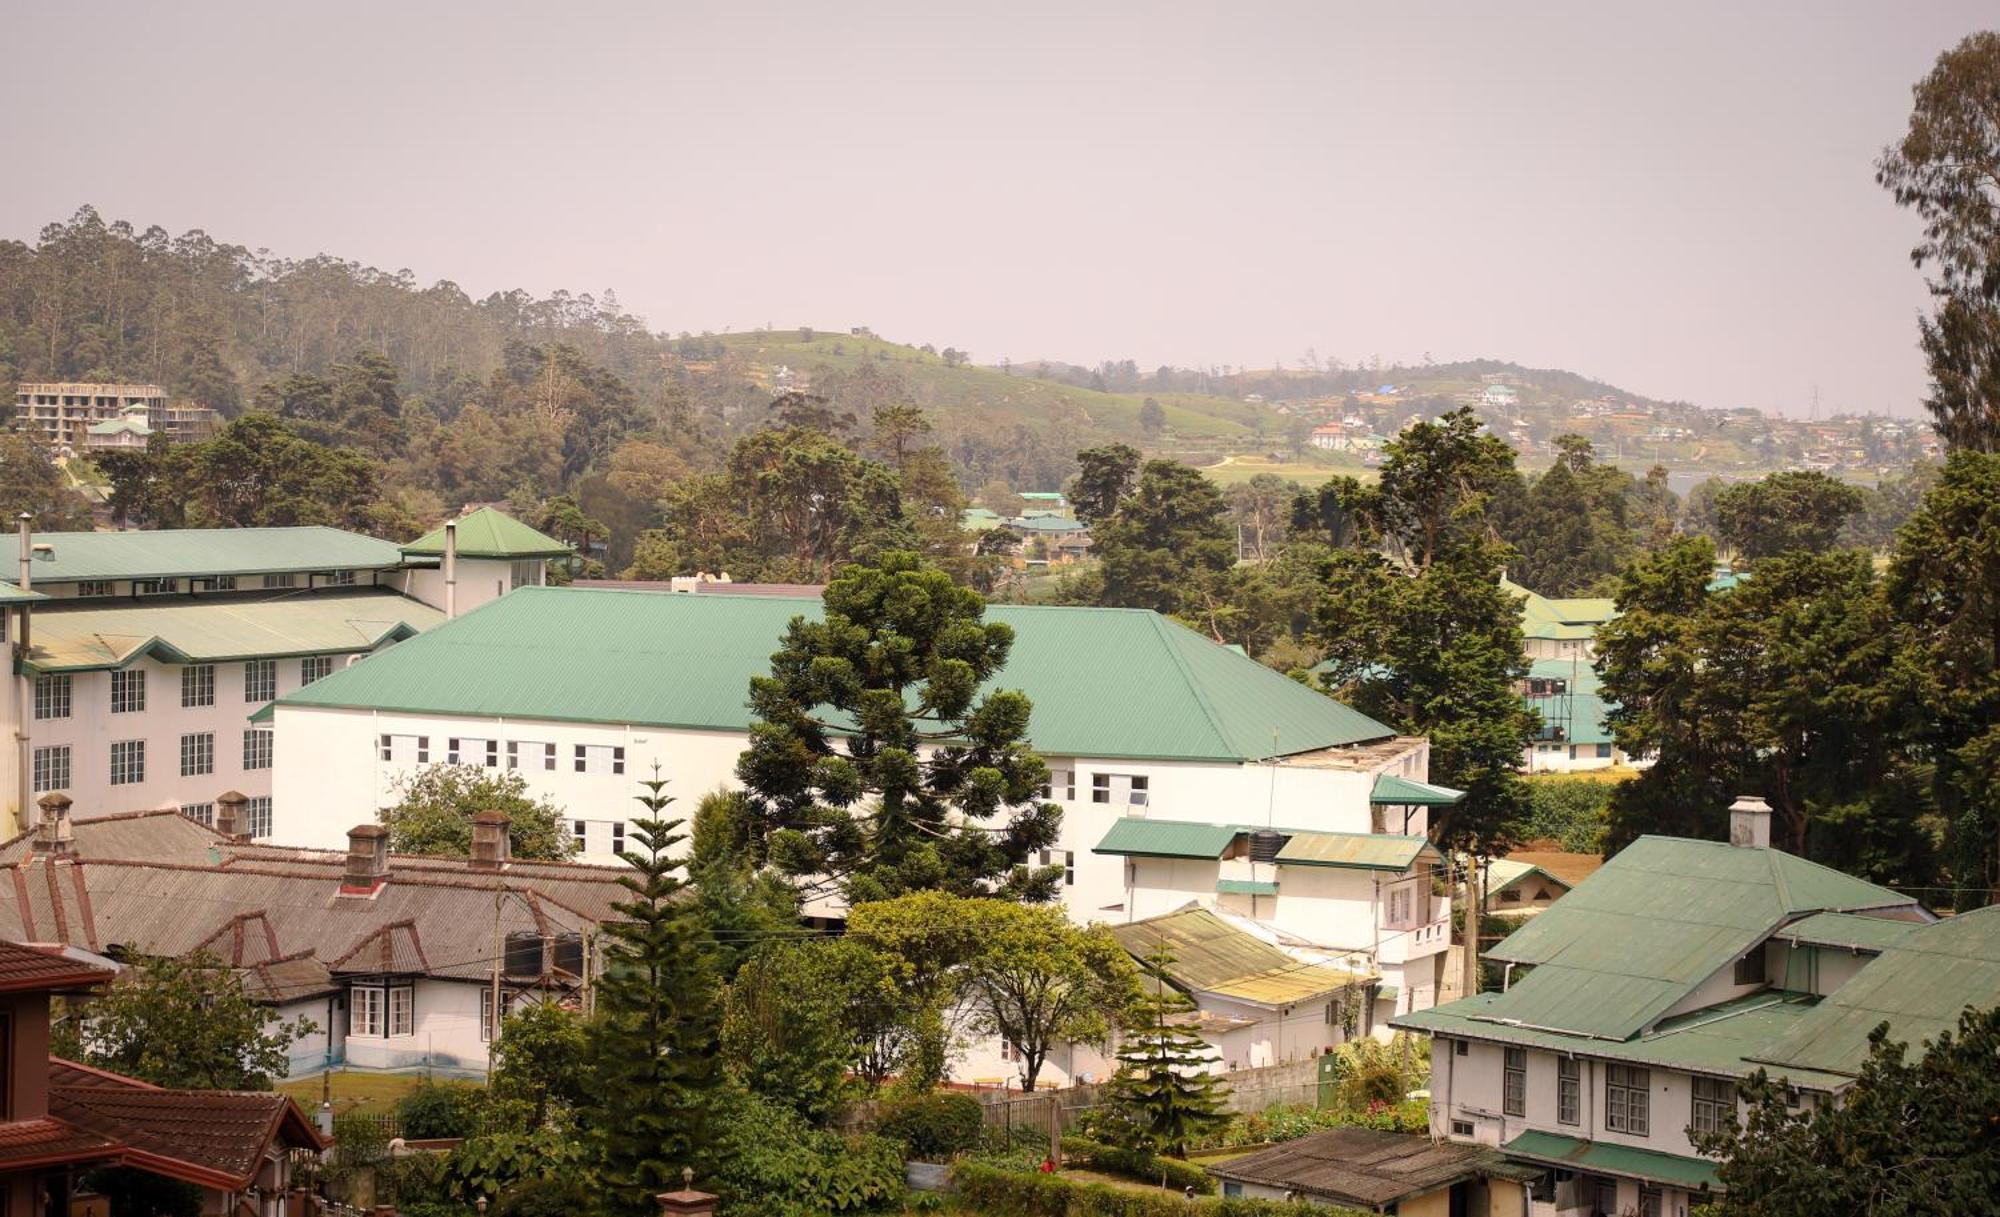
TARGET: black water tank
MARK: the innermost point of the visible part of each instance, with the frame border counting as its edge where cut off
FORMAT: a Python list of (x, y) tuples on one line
[(523, 956), (1265, 844), (569, 954)]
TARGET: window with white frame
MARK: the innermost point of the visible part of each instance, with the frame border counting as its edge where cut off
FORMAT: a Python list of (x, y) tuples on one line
[(470, 750), (197, 753), (529, 754), (526, 573), (402, 1009), (1714, 1105), (1008, 1052), (200, 813), (128, 762), (198, 685), (257, 816), (314, 667), (1064, 858), (1514, 1083), (1061, 785), (486, 1011), (600, 758), (257, 748), (1569, 1090), (1401, 899), (1461, 1128), (96, 587), (52, 695), (339, 578), (260, 680), (364, 1016), (1127, 789), (1627, 1100), (405, 749), (155, 587), (52, 767), (128, 691), (272, 582)]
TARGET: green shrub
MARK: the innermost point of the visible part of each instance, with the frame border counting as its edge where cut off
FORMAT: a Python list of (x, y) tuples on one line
[(358, 1140), (1138, 1164), (936, 1125), (773, 1164), (544, 1198), (439, 1109), (1568, 810), (1001, 1193)]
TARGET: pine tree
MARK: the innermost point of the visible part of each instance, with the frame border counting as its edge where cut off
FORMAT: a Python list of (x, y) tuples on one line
[(1164, 1094), (653, 1045)]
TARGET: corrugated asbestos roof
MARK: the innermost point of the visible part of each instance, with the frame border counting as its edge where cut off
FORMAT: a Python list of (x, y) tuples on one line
[(1918, 986), (1663, 915), (207, 551), (1363, 1166), (1720, 1040), (1849, 930), (89, 634), (1394, 791), (490, 533), (1604, 1158), (1105, 682), (1212, 956), (1166, 839), (1359, 851)]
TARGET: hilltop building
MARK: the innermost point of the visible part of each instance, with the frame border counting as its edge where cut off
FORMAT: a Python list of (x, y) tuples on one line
[(1637, 1001), (142, 655), (70, 413)]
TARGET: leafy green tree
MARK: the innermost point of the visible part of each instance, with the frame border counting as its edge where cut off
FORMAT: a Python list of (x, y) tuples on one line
[(1946, 168), (785, 1033), (30, 482), (899, 428), (1943, 588), (1040, 981), (652, 1054), (180, 1022), (806, 497), (743, 901), (1261, 509), (923, 946), (1437, 478), (1104, 477), (435, 805), (539, 1057), (1152, 418), (1784, 513), (874, 758), (1169, 545), (1165, 1094), (1910, 1138)]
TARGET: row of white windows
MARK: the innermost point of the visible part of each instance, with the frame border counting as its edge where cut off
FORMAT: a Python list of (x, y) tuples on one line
[(1627, 1095), (485, 753), (1127, 789), (211, 583), (257, 811), (382, 1011), (54, 691), (53, 770)]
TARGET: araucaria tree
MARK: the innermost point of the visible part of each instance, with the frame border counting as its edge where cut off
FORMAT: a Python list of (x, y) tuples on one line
[(875, 762), (1165, 1094), (652, 1053)]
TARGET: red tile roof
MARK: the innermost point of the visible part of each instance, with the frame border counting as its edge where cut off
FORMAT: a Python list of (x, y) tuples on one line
[(27, 969), (214, 1138), (25, 1144)]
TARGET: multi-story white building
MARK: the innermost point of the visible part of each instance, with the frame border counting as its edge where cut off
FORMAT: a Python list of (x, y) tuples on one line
[(141, 657), (1636, 1003), (65, 413)]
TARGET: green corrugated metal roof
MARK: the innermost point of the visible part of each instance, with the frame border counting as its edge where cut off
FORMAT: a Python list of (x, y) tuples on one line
[(11, 593), (1166, 839), (1574, 618), (1359, 851), (1604, 1158), (1212, 956), (491, 533), (206, 551), (87, 635), (1849, 930), (1657, 919), (1720, 1040), (1395, 791), (1918, 986), (1245, 887), (1112, 683)]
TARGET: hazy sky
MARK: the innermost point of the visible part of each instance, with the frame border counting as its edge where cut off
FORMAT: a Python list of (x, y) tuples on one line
[(1675, 197)]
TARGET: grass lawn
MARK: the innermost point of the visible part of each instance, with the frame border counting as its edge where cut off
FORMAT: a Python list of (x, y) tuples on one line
[(1236, 470), (374, 1093)]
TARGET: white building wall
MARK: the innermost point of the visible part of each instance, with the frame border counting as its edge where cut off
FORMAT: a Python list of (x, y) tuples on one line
[(445, 1034)]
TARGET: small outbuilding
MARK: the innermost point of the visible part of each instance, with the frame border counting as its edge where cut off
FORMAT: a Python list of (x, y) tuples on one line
[(1381, 1172)]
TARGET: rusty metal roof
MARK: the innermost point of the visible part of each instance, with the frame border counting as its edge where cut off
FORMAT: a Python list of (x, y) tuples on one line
[(1361, 1166), (1212, 956), (1355, 850), (87, 635)]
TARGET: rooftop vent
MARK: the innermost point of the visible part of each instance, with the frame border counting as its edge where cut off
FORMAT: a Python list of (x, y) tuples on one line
[(1265, 844), (1750, 822)]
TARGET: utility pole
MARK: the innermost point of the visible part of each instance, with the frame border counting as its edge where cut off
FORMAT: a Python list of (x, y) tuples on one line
[(1470, 955), (493, 1014)]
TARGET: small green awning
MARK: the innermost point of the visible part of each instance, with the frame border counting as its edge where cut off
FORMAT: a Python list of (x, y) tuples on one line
[(1166, 839), (1598, 1157), (1245, 887), (1402, 792)]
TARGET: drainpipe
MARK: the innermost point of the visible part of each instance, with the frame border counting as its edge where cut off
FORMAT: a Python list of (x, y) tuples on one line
[(450, 569), (24, 690)]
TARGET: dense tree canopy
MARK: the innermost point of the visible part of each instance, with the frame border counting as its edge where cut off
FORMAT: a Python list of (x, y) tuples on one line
[(434, 807)]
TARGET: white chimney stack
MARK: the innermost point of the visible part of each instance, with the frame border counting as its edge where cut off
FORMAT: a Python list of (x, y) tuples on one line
[(450, 569), (1750, 822)]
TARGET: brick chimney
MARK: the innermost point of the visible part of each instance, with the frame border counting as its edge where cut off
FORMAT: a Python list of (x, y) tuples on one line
[(687, 1202), (232, 815), (490, 846), (54, 835), (1750, 822), (367, 860)]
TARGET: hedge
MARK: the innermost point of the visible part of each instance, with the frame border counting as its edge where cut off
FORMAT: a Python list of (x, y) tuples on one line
[(941, 1124), (1001, 1193), (1138, 1164)]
